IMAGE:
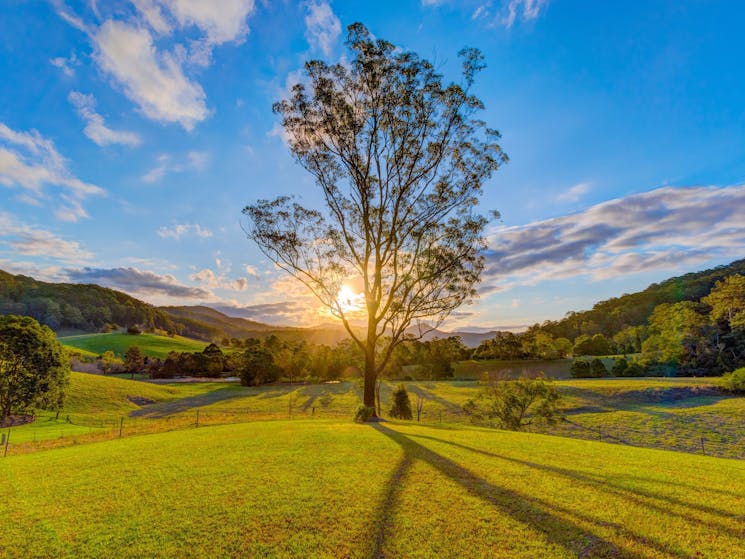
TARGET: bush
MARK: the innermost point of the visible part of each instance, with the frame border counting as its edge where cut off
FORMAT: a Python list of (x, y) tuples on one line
[(620, 367), (635, 370), (598, 369), (734, 381), (401, 407), (364, 414), (580, 369), (134, 330)]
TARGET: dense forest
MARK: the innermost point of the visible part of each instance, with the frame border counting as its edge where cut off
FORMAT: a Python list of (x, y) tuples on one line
[(692, 324)]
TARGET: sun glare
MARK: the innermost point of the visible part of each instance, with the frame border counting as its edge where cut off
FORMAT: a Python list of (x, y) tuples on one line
[(349, 300)]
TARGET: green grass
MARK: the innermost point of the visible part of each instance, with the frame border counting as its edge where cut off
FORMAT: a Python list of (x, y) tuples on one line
[(149, 344), (474, 369), (337, 489)]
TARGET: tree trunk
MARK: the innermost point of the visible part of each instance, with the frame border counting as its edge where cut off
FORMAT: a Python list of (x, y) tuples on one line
[(368, 392)]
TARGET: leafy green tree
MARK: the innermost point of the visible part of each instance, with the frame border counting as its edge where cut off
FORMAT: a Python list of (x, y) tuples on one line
[(598, 368), (734, 381), (680, 335), (109, 362), (727, 300), (134, 361), (516, 403), (400, 159), (34, 368), (401, 405), (620, 366), (257, 366)]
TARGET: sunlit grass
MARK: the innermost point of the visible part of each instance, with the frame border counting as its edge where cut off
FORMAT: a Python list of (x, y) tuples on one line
[(337, 489), (149, 344)]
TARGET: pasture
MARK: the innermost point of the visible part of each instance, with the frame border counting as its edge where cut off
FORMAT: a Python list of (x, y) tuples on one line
[(338, 489), (152, 345)]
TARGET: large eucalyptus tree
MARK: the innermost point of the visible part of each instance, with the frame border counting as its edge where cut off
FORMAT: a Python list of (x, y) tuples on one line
[(400, 158)]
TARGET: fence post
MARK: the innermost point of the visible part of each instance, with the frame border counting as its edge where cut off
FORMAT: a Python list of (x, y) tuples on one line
[(7, 442), (197, 424), (703, 449), (600, 433), (121, 426)]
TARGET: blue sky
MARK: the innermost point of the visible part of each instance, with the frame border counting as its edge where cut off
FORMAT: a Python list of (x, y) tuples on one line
[(133, 133)]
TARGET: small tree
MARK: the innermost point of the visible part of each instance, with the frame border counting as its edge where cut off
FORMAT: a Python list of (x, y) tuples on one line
[(34, 368), (516, 403), (257, 366), (109, 362), (620, 367), (401, 406), (134, 361)]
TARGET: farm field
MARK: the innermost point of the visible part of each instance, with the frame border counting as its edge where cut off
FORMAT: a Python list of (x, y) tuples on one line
[(674, 413), (264, 489), (150, 344)]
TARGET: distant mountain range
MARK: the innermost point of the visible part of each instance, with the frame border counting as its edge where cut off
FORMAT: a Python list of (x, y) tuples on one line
[(91, 308)]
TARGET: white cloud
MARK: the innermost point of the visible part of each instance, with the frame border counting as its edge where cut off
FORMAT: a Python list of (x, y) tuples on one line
[(28, 241), (526, 10), (666, 228), (31, 162), (574, 193), (223, 22), (194, 160), (67, 65), (95, 127), (153, 80), (322, 27), (179, 230), (252, 271)]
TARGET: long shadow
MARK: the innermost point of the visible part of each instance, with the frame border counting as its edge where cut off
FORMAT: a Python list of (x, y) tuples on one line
[(525, 509), (621, 491), (427, 395), (162, 409), (387, 505)]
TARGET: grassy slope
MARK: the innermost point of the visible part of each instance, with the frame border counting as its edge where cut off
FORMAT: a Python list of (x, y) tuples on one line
[(311, 489), (150, 344)]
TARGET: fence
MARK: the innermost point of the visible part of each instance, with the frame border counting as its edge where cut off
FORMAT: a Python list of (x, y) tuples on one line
[(82, 429)]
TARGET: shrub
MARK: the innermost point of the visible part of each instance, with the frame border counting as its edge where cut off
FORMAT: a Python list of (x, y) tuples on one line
[(635, 370), (620, 367), (134, 330), (364, 414), (580, 369), (598, 369), (734, 381), (401, 407)]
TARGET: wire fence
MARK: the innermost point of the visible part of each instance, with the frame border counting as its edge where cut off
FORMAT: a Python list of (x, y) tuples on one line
[(68, 430)]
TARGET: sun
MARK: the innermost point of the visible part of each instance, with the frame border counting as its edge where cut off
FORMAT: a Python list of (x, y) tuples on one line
[(349, 300)]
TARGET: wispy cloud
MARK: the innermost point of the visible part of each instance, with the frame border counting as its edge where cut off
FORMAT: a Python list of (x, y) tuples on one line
[(574, 193), (95, 127), (184, 229), (322, 27), (524, 10), (193, 160), (138, 282), (67, 65), (665, 228), (31, 162), (29, 241)]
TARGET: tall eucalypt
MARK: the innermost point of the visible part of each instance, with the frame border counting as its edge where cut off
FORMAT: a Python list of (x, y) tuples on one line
[(401, 159)]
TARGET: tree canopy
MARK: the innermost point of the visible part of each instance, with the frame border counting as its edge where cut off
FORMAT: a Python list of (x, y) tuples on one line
[(34, 369), (400, 159)]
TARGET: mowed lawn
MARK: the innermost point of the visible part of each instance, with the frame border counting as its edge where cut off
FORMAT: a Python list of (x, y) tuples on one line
[(338, 489), (149, 344)]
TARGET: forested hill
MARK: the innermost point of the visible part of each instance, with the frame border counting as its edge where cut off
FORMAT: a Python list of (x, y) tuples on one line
[(613, 315), (85, 307), (92, 308)]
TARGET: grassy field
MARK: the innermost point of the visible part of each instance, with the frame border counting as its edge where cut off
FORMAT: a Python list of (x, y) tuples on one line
[(337, 489), (119, 343), (674, 413)]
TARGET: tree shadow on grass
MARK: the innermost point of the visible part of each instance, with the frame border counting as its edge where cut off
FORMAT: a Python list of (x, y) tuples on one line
[(640, 497), (564, 531), (163, 409)]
